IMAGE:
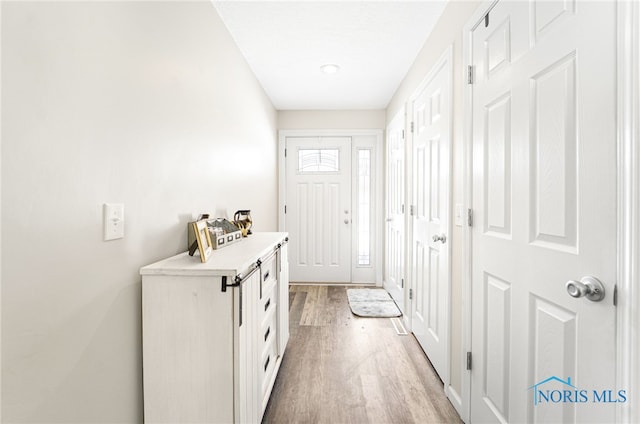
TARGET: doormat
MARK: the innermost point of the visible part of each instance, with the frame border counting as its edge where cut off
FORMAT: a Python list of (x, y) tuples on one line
[(372, 303)]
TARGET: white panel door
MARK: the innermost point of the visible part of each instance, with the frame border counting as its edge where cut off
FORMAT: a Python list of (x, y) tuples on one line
[(544, 201), (394, 247), (319, 208), (430, 248)]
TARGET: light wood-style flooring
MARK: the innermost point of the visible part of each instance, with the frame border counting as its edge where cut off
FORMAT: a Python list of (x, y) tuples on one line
[(339, 368)]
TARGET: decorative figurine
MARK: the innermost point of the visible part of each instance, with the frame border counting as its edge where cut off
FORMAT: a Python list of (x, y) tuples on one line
[(242, 219)]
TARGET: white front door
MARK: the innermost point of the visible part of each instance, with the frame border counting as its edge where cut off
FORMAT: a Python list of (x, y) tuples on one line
[(318, 193), (544, 204), (431, 111), (394, 252)]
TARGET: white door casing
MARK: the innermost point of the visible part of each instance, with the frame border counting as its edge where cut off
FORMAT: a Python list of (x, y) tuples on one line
[(544, 205), (628, 361), (318, 191), (430, 268), (395, 217)]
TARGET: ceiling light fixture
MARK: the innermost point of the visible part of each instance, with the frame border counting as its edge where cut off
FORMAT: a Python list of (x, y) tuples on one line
[(329, 68)]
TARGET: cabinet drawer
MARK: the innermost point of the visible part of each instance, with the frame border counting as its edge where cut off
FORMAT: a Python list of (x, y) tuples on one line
[(269, 269), (267, 367), (267, 331), (268, 302)]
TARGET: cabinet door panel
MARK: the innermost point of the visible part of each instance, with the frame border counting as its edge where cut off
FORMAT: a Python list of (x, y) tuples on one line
[(283, 304)]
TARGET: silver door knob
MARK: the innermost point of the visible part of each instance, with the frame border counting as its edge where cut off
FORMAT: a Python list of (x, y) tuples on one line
[(346, 221), (440, 237), (589, 287)]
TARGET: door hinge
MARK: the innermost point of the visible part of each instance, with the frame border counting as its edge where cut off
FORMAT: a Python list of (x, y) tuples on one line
[(402, 283), (411, 210), (410, 294), (285, 208), (402, 207), (615, 295), (470, 217), (470, 74), (468, 361), (412, 127), (285, 153), (403, 134)]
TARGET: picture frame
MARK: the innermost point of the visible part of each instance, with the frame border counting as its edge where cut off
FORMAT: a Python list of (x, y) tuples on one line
[(203, 238)]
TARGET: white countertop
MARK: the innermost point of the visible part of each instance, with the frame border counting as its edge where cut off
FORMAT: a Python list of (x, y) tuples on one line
[(230, 261)]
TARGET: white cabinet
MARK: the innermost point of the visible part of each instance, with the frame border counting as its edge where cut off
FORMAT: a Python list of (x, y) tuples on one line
[(214, 333)]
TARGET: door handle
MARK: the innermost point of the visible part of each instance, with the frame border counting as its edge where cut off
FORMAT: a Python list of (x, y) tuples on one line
[(440, 237), (389, 219), (346, 221), (589, 287)]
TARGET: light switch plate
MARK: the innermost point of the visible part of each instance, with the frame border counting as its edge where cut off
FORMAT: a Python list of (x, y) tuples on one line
[(113, 215)]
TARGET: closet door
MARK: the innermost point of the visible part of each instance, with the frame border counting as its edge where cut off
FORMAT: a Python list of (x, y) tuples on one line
[(544, 199), (430, 267), (395, 220)]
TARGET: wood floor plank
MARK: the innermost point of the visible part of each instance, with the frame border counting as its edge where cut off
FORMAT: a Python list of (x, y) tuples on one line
[(339, 368), (296, 306), (315, 308)]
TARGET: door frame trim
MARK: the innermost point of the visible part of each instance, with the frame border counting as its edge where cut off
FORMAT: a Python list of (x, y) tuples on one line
[(378, 182), (628, 189), (628, 319)]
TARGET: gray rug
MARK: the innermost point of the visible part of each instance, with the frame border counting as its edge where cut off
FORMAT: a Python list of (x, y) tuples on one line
[(372, 303)]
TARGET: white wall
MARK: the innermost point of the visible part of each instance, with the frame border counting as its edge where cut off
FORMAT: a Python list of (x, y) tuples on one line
[(331, 119), (145, 103), (448, 31)]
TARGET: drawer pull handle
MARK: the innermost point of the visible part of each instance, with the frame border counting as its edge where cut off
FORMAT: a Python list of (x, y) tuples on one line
[(266, 305), (266, 275), (266, 335), (266, 364)]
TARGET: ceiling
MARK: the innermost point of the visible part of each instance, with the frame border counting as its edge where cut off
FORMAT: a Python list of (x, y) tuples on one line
[(373, 42)]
